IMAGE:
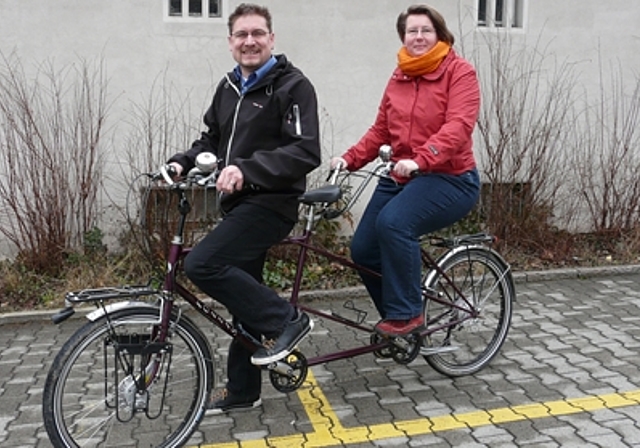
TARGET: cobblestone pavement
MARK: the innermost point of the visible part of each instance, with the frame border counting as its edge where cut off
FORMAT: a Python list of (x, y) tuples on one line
[(567, 376)]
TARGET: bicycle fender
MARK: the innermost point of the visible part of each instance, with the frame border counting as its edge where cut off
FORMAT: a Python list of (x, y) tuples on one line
[(117, 306), (450, 253)]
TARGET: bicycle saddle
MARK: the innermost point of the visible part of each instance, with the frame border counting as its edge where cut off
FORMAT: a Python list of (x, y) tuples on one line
[(326, 194)]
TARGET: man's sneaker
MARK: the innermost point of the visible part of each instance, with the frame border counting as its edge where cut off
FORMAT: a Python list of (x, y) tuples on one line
[(400, 327), (223, 401), (275, 350)]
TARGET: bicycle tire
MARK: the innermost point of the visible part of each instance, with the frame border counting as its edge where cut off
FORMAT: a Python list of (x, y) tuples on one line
[(87, 388), (486, 281)]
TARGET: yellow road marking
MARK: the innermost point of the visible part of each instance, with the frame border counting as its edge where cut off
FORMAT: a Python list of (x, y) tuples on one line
[(328, 431)]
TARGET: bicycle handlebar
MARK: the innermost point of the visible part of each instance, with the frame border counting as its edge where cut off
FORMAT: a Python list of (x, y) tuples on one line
[(204, 173)]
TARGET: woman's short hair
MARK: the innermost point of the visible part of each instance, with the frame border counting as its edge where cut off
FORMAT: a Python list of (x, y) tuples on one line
[(436, 18)]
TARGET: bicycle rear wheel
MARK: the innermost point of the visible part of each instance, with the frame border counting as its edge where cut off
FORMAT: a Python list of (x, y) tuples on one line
[(475, 280), (112, 384)]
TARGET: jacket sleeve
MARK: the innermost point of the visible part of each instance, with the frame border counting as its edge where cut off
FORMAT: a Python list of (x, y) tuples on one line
[(462, 112), (299, 150), (368, 146)]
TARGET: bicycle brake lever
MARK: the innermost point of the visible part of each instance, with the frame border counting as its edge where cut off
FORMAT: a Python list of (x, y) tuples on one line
[(205, 180), (166, 172)]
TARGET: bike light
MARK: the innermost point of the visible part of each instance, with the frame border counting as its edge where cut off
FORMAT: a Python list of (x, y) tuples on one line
[(206, 162), (385, 153)]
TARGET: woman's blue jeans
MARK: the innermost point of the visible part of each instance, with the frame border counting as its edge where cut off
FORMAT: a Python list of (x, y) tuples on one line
[(387, 237)]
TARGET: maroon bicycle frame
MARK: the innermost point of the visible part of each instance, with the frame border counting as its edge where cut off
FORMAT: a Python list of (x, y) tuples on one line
[(177, 252)]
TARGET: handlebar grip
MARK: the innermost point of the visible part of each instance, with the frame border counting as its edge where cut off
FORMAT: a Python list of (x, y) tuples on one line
[(331, 213), (168, 172), (333, 173)]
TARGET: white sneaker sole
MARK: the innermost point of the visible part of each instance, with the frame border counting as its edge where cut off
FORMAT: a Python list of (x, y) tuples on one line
[(278, 356), (220, 411)]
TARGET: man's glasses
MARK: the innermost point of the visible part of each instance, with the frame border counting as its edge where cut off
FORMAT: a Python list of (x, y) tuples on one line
[(255, 34)]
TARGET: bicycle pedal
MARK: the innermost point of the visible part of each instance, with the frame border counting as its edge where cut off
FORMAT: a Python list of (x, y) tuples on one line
[(404, 349)]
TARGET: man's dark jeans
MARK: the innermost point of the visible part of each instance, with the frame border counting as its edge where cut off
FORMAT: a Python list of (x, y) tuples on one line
[(227, 265)]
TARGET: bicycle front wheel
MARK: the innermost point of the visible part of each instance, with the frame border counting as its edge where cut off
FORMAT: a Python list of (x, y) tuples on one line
[(468, 310), (113, 384)]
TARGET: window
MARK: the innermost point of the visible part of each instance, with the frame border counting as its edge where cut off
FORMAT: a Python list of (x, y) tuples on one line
[(482, 12), (501, 13), (194, 10)]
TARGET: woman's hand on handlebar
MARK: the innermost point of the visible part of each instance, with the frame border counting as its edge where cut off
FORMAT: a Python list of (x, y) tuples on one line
[(338, 163), (405, 168)]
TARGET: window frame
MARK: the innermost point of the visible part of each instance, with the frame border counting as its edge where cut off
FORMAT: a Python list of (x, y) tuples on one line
[(512, 16), (186, 18)]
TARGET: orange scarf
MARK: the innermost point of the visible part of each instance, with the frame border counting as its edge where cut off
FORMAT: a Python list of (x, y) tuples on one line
[(426, 63)]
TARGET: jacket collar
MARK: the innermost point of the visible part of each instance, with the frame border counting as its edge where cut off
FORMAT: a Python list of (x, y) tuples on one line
[(280, 62)]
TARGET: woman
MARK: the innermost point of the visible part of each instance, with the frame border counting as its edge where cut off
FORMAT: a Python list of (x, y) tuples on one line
[(427, 115)]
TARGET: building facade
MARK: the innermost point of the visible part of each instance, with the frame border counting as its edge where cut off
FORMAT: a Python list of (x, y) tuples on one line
[(346, 47)]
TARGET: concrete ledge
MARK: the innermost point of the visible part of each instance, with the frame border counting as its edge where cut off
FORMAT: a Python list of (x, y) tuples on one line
[(358, 292), (577, 272)]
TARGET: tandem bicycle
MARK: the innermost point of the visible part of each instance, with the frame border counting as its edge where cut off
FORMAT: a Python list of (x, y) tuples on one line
[(140, 372)]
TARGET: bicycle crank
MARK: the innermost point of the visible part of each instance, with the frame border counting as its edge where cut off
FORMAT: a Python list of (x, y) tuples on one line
[(289, 373), (405, 349)]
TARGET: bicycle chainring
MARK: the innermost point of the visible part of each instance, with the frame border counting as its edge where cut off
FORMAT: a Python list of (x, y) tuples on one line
[(405, 349), (288, 374)]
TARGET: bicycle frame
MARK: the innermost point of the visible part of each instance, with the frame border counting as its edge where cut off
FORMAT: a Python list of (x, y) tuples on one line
[(171, 285), (305, 244), (177, 252)]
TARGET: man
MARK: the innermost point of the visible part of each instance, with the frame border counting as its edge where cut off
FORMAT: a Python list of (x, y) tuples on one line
[(263, 125)]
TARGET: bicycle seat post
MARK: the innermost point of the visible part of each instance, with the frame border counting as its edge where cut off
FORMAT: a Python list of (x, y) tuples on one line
[(311, 218)]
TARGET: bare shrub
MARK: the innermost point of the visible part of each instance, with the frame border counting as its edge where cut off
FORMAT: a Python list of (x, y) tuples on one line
[(606, 156), (160, 124), (51, 126), (526, 107)]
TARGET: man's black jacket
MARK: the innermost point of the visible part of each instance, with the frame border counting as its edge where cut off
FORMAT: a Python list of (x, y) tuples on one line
[(271, 133)]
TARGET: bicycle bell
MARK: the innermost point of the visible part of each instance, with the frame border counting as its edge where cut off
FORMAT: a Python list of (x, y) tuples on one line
[(385, 153), (206, 162)]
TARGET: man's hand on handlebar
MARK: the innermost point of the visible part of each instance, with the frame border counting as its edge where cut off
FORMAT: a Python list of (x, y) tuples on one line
[(177, 170), (230, 179), (167, 173)]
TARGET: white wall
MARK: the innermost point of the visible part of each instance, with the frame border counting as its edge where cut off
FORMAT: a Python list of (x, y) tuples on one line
[(346, 47)]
